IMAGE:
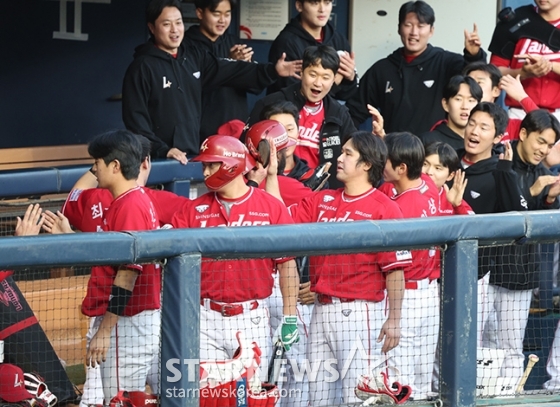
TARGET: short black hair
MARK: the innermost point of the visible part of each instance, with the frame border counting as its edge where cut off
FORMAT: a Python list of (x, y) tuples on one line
[(497, 114), (121, 145), (322, 55), (280, 107), (540, 120), (406, 148), (212, 5), (424, 12), (491, 69), (452, 88), (155, 7), (447, 155), (373, 151), (146, 146)]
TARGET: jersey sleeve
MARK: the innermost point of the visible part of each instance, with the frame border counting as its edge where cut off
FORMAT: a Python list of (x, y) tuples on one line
[(394, 260), (463, 209), (181, 217), (166, 204), (302, 212), (73, 208), (499, 61)]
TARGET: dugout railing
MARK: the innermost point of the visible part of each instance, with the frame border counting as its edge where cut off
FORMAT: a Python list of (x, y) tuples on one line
[(460, 237)]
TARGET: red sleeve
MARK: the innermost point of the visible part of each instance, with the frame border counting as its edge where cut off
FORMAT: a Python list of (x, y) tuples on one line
[(512, 130), (393, 260), (166, 204), (388, 189), (499, 61), (73, 208), (181, 217), (302, 212), (463, 209), (528, 104)]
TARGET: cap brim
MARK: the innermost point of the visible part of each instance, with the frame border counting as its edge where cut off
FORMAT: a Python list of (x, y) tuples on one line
[(291, 142), (15, 396)]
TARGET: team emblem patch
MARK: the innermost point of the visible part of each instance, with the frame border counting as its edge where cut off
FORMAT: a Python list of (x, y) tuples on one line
[(403, 255), (74, 195), (429, 83), (256, 320), (202, 208), (346, 312), (328, 198), (196, 74), (328, 153), (475, 194)]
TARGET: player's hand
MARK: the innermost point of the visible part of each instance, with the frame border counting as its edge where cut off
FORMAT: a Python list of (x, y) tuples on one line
[(535, 66), (542, 182), (56, 223), (455, 193), (241, 52), (287, 332), (98, 347), (31, 223), (377, 121), (272, 168), (507, 155), (513, 87), (390, 335), (472, 41), (347, 67), (257, 174), (288, 68), (554, 191), (305, 295), (178, 155)]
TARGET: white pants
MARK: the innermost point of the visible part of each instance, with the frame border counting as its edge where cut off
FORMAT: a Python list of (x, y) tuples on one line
[(294, 385), (138, 346), (553, 363), (218, 340), (342, 346), (92, 393), (415, 355), (512, 313)]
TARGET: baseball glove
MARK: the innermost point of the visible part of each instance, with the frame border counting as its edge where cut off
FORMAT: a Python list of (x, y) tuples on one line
[(35, 385), (378, 388)]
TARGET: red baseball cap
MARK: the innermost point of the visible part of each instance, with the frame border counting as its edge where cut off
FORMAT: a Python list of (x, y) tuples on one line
[(12, 386)]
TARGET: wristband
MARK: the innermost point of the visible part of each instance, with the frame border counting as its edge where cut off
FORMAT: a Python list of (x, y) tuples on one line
[(118, 300), (251, 183)]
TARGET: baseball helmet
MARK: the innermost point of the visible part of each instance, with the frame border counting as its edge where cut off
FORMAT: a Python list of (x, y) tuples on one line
[(259, 135), (231, 153)]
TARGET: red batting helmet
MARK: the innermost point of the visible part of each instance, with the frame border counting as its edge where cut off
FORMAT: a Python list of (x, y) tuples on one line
[(229, 151), (261, 133)]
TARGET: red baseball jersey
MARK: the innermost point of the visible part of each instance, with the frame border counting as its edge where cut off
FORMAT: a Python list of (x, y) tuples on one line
[(85, 208), (311, 118), (545, 91), (235, 280), (291, 190), (130, 211), (419, 202), (445, 207), (355, 276)]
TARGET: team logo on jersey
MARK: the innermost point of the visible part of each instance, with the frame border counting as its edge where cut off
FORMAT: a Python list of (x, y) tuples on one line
[(74, 195), (429, 83), (196, 74), (403, 255), (202, 208), (346, 312), (388, 87), (475, 194), (166, 83), (523, 202), (328, 198), (423, 189)]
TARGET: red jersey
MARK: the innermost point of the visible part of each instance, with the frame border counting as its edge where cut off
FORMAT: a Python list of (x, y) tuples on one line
[(419, 202), (311, 119), (291, 190), (355, 276), (235, 280), (545, 91), (130, 211), (445, 207)]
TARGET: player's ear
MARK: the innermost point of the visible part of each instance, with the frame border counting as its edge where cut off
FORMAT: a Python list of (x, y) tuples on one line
[(522, 134), (450, 176), (151, 28), (496, 92), (299, 5), (199, 13), (445, 105)]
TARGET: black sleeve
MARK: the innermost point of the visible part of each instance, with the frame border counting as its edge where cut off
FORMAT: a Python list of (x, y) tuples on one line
[(508, 193), (366, 94)]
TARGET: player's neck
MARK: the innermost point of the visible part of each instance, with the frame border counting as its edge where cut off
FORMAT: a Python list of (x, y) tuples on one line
[(551, 15), (356, 187), (315, 32), (208, 35), (122, 186), (404, 184), (234, 190), (474, 158)]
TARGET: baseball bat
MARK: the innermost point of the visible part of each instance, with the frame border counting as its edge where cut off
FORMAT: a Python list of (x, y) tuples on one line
[(275, 364), (532, 360)]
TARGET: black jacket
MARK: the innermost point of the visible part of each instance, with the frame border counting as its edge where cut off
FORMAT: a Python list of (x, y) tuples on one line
[(336, 126), (491, 188), (517, 266), (162, 95), (224, 103), (443, 133), (408, 95), (293, 40)]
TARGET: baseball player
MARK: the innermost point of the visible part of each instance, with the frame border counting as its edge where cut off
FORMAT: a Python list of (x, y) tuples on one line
[(127, 297), (358, 295), (521, 46), (84, 209), (417, 197), (234, 292)]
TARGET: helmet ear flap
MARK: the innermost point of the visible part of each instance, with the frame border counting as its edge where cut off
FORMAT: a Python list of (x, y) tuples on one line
[(264, 152)]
